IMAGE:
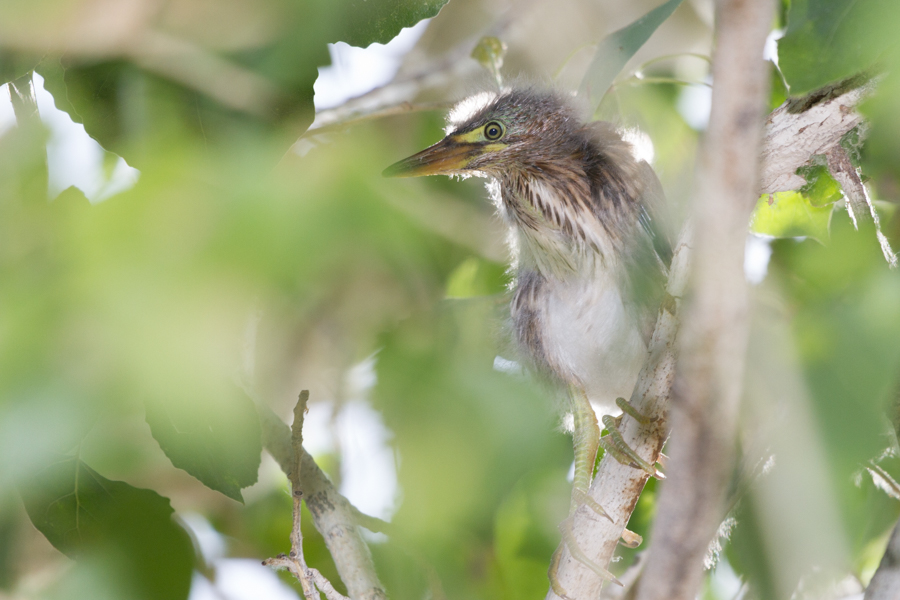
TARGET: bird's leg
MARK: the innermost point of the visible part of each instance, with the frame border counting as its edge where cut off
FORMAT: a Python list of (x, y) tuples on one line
[(615, 444), (586, 439), (568, 538)]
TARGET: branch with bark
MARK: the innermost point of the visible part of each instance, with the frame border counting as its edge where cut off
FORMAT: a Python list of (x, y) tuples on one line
[(716, 323), (333, 516), (311, 580)]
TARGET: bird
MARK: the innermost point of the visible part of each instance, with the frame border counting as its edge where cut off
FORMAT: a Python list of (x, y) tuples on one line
[(588, 243)]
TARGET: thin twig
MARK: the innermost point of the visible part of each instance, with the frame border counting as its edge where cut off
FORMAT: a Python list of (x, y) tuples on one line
[(333, 515), (296, 485), (328, 121), (310, 579), (28, 117), (843, 171), (24, 102), (862, 212)]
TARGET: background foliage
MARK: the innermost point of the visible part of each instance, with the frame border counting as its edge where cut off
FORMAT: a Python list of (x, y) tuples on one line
[(136, 332)]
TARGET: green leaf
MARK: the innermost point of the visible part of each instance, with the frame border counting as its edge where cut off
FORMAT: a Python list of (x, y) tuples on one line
[(525, 536), (821, 189), (790, 214), (829, 40), (475, 277), (216, 442), (85, 516), (16, 64), (379, 22), (137, 107), (617, 48)]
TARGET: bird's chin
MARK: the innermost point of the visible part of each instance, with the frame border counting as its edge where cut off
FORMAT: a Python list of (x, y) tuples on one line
[(466, 173)]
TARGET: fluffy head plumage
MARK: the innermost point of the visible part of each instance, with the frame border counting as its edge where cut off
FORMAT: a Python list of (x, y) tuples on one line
[(539, 126)]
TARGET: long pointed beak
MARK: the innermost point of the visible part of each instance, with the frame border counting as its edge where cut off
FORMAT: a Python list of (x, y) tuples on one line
[(447, 157)]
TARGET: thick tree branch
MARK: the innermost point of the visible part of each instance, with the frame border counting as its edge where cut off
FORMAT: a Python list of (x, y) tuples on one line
[(800, 129), (714, 339)]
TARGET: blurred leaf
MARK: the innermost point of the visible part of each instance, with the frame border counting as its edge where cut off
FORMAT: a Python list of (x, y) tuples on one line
[(216, 442), (829, 40), (85, 515), (9, 530), (846, 325), (790, 214), (489, 53), (882, 145), (747, 553), (821, 189), (136, 113), (465, 434), (778, 91), (524, 535), (617, 48), (475, 277), (185, 84)]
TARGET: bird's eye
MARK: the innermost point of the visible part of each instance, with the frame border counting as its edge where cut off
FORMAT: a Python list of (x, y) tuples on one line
[(493, 131)]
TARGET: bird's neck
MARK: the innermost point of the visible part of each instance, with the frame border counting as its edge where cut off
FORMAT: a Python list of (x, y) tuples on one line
[(554, 223)]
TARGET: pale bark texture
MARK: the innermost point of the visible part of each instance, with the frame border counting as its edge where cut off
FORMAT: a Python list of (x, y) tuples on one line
[(332, 514), (800, 129), (714, 338)]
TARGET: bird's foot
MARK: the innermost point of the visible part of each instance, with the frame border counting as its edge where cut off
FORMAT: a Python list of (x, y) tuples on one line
[(568, 539), (580, 497), (634, 413), (630, 539), (615, 444)]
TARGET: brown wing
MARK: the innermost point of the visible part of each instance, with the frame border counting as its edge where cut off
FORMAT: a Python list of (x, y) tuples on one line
[(650, 253)]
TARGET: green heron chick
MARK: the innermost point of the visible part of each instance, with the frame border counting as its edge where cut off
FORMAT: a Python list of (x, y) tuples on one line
[(588, 256)]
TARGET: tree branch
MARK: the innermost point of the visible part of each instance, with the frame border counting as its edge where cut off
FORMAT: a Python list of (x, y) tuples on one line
[(332, 514), (21, 94), (310, 579), (800, 129), (28, 117), (716, 323), (617, 487)]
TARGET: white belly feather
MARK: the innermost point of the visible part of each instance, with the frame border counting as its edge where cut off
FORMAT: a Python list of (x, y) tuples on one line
[(568, 312), (589, 338)]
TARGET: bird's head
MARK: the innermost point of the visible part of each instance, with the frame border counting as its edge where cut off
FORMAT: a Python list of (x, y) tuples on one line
[(489, 134)]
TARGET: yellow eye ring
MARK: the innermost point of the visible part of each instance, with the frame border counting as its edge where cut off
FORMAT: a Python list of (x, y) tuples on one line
[(493, 131)]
